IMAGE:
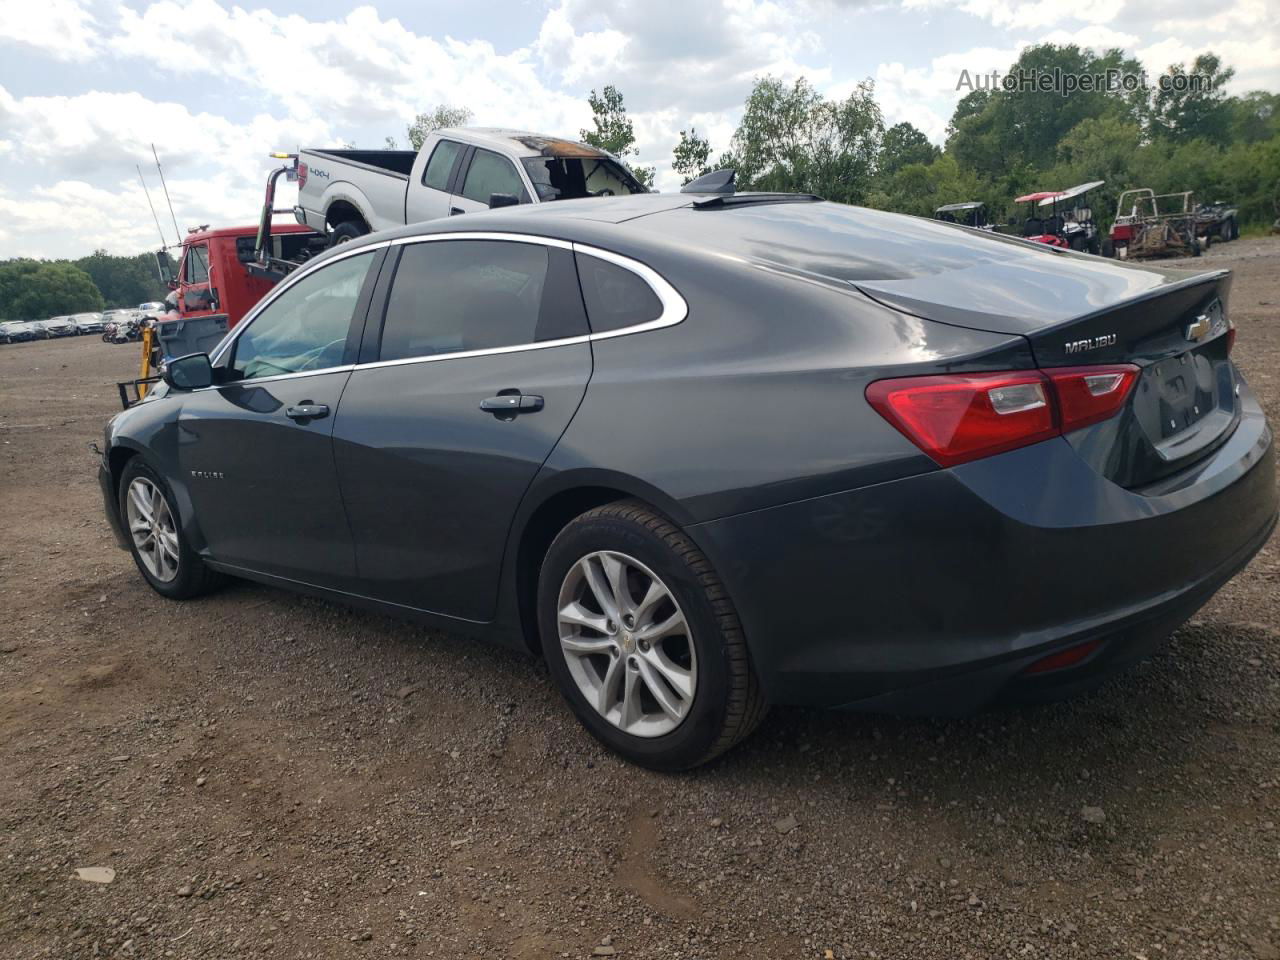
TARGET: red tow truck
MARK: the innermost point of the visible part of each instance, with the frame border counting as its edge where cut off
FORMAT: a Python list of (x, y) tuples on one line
[(221, 273)]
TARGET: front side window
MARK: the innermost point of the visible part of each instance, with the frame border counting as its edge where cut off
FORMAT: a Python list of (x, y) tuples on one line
[(197, 269), (305, 328), (490, 173), (436, 176), (570, 178), (453, 296)]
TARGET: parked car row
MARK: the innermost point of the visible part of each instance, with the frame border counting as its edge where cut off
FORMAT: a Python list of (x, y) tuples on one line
[(77, 324)]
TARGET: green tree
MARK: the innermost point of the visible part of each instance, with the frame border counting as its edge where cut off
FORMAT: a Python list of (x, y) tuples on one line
[(1187, 104), (1254, 117), (441, 116), (614, 131), (904, 144), (123, 281), (920, 188), (791, 139), (38, 289), (1003, 129), (689, 159)]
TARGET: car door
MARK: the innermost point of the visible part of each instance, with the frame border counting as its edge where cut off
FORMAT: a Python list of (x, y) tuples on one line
[(428, 199), (480, 359), (256, 450), (486, 173), (196, 296)]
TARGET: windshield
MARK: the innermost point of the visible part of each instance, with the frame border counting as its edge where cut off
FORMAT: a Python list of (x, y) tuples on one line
[(569, 178)]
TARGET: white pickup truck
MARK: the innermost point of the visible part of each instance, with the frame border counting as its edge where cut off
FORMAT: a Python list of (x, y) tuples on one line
[(347, 193)]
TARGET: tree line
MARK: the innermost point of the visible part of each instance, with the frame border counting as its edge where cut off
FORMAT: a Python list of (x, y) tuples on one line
[(39, 289), (1002, 143), (1163, 133)]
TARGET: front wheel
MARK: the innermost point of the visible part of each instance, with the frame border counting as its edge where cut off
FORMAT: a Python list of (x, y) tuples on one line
[(150, 520), (643, 640)]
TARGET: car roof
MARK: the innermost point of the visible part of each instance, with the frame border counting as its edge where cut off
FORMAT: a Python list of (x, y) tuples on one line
[(525, 143)]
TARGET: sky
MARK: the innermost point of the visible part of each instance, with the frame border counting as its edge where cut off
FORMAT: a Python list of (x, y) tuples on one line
[(86, 87)]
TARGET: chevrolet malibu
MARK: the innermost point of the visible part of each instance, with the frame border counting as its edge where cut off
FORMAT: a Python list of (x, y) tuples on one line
[(709, 453)]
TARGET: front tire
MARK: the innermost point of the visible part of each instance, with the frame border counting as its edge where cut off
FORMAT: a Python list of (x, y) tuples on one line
[(154, 531), (643, 640)]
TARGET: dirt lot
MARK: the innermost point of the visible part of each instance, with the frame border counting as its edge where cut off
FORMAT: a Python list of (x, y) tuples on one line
[(275, 776)]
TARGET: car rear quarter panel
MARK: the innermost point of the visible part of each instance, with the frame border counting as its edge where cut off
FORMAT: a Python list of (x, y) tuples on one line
[(756, 397)]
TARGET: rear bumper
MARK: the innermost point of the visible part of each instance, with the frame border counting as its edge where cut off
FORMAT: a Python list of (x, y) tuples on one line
[(933, 593)]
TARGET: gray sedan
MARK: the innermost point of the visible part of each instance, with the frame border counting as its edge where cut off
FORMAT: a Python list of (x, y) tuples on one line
[(704, 453)]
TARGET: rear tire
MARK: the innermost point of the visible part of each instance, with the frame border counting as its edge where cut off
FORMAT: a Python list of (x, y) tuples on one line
[(189, 577), (725, 703), (347, 231)]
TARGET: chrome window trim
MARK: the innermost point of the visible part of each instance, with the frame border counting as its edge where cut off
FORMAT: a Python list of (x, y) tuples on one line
[(674, 307), (225, 343), (483, 235)]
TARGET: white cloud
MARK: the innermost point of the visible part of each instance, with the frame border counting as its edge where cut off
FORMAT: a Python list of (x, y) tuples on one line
[(1023, 16), (87, 147), (61, 29), (350, 71)]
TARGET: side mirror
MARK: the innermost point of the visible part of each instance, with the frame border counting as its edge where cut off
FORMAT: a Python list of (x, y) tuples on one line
[(497, 200), (191, 372)]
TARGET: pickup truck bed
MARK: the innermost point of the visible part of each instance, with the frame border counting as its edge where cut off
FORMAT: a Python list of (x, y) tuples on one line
[(398, 162)]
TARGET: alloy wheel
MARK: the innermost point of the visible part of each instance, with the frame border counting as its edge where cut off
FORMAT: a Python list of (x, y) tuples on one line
[(627, 643), (155, 536)]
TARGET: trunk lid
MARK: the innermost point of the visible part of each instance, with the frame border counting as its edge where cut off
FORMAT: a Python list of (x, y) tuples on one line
[(1079, 311)]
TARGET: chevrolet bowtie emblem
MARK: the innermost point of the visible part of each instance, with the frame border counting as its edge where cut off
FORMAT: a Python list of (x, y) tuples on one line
[(1199, 329)]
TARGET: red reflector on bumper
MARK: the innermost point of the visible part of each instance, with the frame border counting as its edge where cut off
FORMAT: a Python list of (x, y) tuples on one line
[(1064, 658)]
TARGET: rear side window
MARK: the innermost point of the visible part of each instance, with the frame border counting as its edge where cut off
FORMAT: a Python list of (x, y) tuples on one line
[(615, 296), (488, 174), (440, 165), (451, 296)]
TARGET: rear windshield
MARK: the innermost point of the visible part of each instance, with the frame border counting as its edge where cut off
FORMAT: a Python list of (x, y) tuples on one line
[(570, 178)]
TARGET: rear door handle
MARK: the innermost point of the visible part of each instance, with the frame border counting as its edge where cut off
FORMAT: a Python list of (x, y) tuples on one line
[(307, 411), (508, 405), (454, 211)]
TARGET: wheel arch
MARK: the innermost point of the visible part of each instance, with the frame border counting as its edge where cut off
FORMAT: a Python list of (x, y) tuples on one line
[(543, 516), (346, 206)]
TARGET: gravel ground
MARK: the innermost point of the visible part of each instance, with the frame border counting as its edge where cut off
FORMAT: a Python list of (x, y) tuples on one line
[(272, 776)]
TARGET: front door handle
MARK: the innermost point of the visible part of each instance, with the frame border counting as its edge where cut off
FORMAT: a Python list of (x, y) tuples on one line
[(454, 211), (507, 405), (307, 411)]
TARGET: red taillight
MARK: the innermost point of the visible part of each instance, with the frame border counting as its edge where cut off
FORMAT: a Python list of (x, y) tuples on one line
[(1088, 395), (302, 175), (1231, 336), (958, 418)]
